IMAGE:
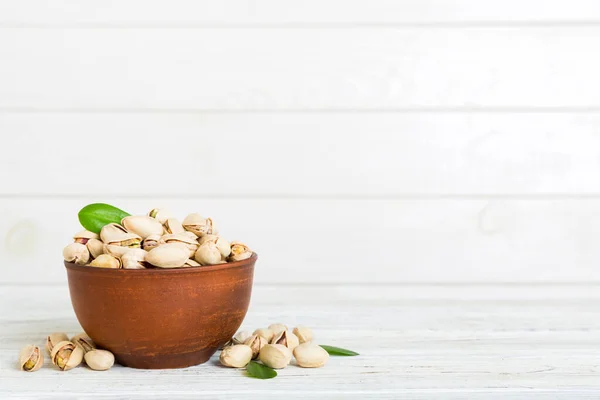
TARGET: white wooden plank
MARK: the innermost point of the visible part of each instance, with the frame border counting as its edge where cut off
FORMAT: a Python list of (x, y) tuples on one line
[(257, 69), (347, 241), (285, 12), (452, 345), (291, 154)]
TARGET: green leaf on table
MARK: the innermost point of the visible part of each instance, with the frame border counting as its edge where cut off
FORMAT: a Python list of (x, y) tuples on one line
[(260, 371), (338, 351), (94, 216)]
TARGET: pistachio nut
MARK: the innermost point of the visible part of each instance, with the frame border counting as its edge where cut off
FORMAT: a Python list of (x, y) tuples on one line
[(65, 355), (191, 263), (95, 247), (236, 356), (184, 239), (106, 261), (208, 254), (309, 355), (277, 328), (116, 234), (53, 339), (151, 242), (303, 333), (239, 252), (256, 343), (168, 256), (265, 332), (134, 259), (31, 358), (172, 225), (83, 236), (223, 245), (142, 225), (286, 338), (275, 356), (199, 225), (76, 253), (99, 360), (240, 337), (84, 341), (160, 214)]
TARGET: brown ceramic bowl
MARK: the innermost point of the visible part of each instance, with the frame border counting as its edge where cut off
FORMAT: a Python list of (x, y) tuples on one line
[(161, 318)]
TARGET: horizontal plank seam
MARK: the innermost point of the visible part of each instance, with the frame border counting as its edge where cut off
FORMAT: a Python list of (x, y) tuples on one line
[(331, 110), (459, 24), (304, 196)]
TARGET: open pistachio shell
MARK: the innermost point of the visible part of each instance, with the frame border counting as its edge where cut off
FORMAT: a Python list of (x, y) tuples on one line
[(256, 343), (134, 259), (223, 245), (31, 358), (172, 225), (185, 239), (115, 234), (83, 236), (151, 242), (65, 355), (286, 338), (160, 214), (106, 261), (76, 253), (199, 225), (168, 256), (191, 263), (239, 252), (95, 247), (142, 225), (54, 338), (84, 341), (265, 332)]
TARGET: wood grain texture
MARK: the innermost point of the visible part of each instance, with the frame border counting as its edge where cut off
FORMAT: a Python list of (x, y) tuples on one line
[(300, 154), (298, 69), (284, 12), (347, 241), (431, 342)]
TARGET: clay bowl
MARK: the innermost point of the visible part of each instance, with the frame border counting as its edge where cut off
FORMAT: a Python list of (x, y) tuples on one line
[(161, 318)]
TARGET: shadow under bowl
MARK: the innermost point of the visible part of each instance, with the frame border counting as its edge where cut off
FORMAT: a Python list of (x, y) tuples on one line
[(161, 318)]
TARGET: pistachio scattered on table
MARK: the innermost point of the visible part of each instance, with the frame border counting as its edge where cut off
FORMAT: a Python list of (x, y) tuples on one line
[(145, 241)]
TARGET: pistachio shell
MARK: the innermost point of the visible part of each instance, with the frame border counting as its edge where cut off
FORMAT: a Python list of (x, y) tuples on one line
[(83, 236), (54, 338), (310, 355), (142, 225), (168, 256), (277, 328), (160, 214), (172, 225), (99, 360), (84, 341), (115, 234), (199, 225), (65, 355), (266, 333), (223, 245), (192, 263), (76, 253), (239, 252), (208, 254), (256, 343), (240, 337), (134, 259), (236, 356), (286, 338), (275, 356), (151, 242), (106, 261), (303, 333), (95, 247), (31, 358), (183, 239)]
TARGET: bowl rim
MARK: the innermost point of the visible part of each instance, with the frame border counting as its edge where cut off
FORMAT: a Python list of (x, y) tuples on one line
[(163, 271)]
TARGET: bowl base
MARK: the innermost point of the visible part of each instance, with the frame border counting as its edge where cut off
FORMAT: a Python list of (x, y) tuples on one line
[(165, 361)]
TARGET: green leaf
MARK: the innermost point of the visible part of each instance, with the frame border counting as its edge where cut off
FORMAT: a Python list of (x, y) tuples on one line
[(338, 351), (94, 216), (260, 371)]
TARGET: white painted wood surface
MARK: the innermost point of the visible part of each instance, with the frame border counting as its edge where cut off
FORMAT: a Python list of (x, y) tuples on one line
[(416, 341)]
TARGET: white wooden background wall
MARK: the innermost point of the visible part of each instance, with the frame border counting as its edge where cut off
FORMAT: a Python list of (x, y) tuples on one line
[(378, 141)]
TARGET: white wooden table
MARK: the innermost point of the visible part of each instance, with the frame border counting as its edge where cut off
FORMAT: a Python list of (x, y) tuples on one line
[(416, 341)]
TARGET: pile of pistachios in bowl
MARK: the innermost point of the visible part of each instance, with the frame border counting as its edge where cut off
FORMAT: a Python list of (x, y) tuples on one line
[(115, 239)]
